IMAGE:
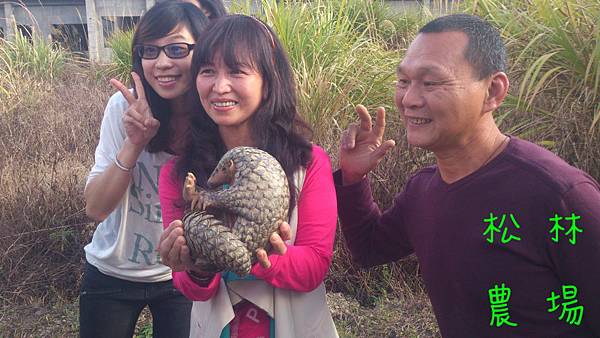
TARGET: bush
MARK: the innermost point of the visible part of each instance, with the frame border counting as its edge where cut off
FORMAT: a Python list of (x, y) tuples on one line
[(47, 149), (26, 63), (121, 67), (554, 52)]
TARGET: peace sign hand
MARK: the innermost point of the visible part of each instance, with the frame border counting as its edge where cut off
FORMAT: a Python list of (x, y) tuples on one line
[(140, 125), (362, 146)]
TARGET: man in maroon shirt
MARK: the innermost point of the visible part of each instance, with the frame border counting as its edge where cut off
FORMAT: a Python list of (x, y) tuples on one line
[(506, 233)]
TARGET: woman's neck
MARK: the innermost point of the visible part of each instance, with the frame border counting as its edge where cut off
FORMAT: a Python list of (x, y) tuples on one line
[(179, 122), (181, 105), (236, 138)]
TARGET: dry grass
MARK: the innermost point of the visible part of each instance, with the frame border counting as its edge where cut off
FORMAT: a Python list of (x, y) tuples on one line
[(50, 125), (47, 149), (51, 135)]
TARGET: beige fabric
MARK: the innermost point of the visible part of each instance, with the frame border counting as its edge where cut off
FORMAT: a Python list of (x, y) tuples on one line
[(297, 314)]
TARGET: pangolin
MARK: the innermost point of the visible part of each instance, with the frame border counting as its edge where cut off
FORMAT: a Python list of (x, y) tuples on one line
[(247, 199)]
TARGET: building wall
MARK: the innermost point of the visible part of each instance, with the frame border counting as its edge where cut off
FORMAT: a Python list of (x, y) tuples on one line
[(109, 9), (91, 13), (42, 18)]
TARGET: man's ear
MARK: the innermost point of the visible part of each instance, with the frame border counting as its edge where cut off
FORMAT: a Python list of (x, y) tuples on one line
[(496, 92)]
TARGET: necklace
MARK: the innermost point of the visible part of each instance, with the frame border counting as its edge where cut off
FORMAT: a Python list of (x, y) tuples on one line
[(506, 138)]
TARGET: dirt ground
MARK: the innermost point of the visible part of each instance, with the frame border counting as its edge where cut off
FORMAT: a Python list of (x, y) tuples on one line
[(390, 318)]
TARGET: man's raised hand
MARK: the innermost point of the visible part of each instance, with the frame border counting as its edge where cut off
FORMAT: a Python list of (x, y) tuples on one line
[(140, 125), (362, 146)]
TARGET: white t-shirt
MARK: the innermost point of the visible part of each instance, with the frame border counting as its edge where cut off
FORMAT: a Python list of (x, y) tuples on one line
[(125, 244)]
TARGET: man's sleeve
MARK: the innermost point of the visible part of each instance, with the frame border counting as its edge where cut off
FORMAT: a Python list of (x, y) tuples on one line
[(372, 237), (577, 261)]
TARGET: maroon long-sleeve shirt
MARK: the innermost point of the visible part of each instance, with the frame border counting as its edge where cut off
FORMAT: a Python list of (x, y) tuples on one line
[(445, 225)]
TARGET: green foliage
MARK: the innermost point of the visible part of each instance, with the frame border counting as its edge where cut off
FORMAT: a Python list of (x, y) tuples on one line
[(28, 59), (120, 43), (145, 331), (336, 56), (555, 54), (35, 56)]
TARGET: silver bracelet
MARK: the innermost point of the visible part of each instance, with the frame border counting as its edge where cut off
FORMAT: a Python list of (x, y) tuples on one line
[(121, 166)]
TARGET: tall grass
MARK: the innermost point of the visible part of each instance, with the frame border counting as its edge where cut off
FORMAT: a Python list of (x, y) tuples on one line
[(46, 147), (120, 43), (344, 53), (25, 64), (554, 52), (48, 125), (37, 57), (337, 63)]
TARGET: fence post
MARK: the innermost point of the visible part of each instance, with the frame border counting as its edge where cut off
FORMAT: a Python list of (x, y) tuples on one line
[(11, 22), (94, 35)]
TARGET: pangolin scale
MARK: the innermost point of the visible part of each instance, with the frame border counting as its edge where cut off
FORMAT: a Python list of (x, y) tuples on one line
[(225, 226)]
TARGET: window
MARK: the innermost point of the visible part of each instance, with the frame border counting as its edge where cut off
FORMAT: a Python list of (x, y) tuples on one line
[(26, 32), (71, 36)]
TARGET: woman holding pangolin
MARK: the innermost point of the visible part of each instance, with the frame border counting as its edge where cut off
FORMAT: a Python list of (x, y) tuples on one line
[(246, 87)]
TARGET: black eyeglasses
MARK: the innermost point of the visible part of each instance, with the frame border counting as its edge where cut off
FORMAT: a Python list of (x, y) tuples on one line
[(173, 50)]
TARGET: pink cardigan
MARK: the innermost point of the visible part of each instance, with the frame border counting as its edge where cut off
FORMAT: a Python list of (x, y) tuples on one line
[(305, 263)]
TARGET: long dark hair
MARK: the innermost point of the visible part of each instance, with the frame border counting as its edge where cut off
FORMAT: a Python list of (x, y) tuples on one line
[(215, 8), (158, 22), (276, 125)]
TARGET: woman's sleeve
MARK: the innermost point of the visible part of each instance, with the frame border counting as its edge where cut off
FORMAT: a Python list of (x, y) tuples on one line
[(169, 190), (112, 135), (305, 264)]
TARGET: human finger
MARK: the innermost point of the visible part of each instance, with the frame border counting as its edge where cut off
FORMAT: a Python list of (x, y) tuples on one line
[(131, 119), (349, 136), (166, 240), (285, 231), (263, 258), (151, 123), (185, 255), (382, 150), (139, 87), (173, 233), (135, 113), (166, 253), (277, 244), (175, 252), (364, 117), (379, 126), (170, 228), (124, 90)]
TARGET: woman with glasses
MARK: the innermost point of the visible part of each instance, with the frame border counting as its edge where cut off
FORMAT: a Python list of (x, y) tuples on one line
[(142, 128)]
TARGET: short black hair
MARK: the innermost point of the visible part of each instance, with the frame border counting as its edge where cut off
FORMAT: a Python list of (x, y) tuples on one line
[(485, 49)]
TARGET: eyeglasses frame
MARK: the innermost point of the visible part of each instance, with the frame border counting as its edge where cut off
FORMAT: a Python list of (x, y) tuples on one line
[(139, 50)]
